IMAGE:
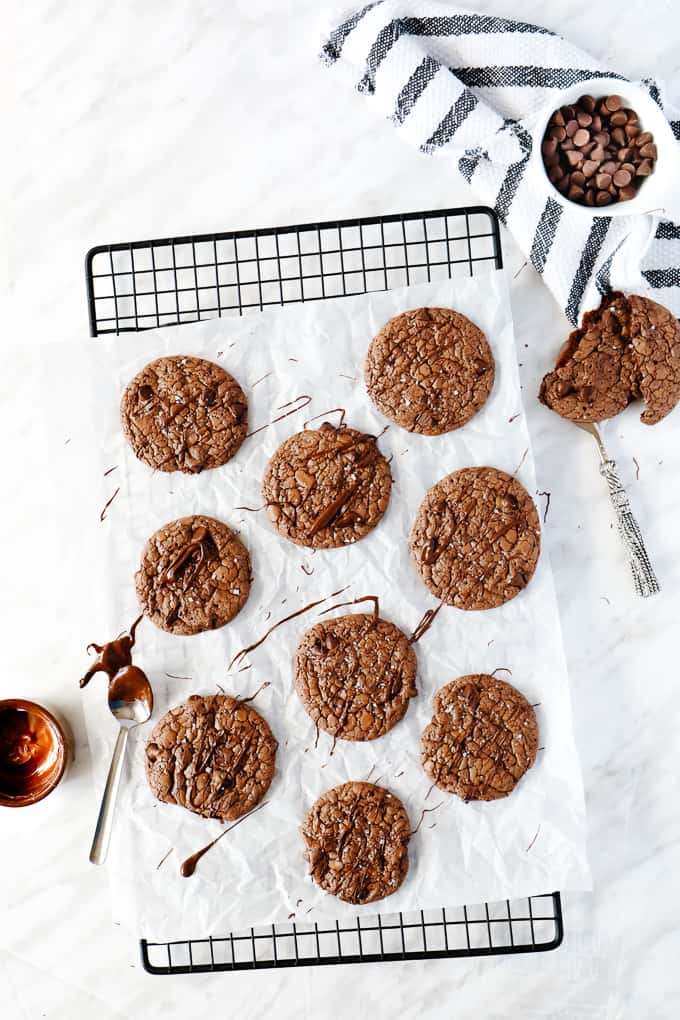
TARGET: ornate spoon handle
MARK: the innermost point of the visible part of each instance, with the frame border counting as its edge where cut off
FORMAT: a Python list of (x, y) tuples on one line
[(644, 577)]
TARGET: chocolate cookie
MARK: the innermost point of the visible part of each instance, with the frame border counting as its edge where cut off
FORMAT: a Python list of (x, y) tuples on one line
[(184, 414), (327, 487), (482, 739), (212, 755), (476, 538), (627, 348), (194, 575), (355, 675), (429, 370), (357, 842)]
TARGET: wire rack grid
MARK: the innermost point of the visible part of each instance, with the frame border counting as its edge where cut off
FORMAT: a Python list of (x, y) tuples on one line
[(138, 285)]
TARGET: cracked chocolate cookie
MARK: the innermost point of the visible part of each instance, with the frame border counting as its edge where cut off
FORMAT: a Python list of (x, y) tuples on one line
[(628, 348), (213, 755), (476, 538), (482, 738), (429, 370), (194, 575), (184, 414), (355, 675), (327, 487), (357, 838)]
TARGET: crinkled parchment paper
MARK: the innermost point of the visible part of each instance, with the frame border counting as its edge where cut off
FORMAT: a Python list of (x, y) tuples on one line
[(529, 843)]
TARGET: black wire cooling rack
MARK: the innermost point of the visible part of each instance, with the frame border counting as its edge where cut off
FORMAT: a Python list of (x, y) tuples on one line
[(138, 285)]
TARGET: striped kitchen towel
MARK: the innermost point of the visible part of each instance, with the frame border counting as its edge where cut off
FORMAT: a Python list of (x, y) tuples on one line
[(469, 86)]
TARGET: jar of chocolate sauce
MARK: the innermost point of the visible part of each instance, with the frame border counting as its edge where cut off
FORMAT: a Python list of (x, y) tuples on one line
[(34, 752)]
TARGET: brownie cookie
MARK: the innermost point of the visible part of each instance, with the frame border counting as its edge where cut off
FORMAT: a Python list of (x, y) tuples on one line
[(357, 842), (429, 370), (212, 755), (327, 487), (476, 538), (355, 675), (627, 348), (184, 414), (194, 575), (482, 739)]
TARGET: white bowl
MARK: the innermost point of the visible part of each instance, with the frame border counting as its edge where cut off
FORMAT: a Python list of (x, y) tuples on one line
[(657, 193)]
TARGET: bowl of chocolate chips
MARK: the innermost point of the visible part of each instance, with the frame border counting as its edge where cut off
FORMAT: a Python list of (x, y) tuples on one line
[(607, 150)]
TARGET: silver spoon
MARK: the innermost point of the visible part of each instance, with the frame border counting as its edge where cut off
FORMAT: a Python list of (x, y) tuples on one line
[(131, 703), (644, 578)]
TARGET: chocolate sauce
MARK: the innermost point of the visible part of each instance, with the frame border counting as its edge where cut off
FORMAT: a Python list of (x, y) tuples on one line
[(303, 397), (424, 812), (353, 602), (334, 410), (102, 516), (424, 624), (130, 684), (33, 752), (188, 866), (326, 516), (291, 616), (244, 701), (196, 545), (112, 656)]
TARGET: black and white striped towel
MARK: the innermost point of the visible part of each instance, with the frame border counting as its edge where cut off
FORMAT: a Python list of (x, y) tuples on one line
[(469, 86)]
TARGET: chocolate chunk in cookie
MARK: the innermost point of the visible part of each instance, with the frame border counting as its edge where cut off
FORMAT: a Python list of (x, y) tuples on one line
[(212, 755), (184, 414), (327, 487), (194, 575), (626, 349), (429, 370), (476, 538), (482, 739), (357, 842), (355, 675)]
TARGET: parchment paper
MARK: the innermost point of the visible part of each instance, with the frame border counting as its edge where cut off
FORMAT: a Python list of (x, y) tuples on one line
[(529, 843)]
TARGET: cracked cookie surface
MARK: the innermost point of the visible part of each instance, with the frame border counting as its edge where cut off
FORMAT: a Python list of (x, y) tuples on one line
[(482, 739), (476, 538), (356, 837), (194, 575), (627, 349), (327, 487), (213, 755), (355, 675), (184, 414), (429, 370)]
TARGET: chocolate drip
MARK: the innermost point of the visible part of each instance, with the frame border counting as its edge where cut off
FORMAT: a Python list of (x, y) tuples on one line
[(424, 624), (353, 602), (196, 545), (112, 656), (188, 866), (304, 397), (291, 616)]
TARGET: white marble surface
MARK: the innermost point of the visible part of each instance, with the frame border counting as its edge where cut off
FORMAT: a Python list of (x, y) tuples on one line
[(138, 120)]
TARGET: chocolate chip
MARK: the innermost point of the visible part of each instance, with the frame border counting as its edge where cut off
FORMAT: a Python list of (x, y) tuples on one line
[(145, 392), (603, 198), (619, 118), (632, 130), (574, 157), (589, 167), (571, 128), (586, 393), (622, 178), (625, 194), (645, 168), (581, 137), (603, 180), (648, 151), (575, 194), (587, 103), (613, 103), (563, 388), (584, 118), (644, 137)]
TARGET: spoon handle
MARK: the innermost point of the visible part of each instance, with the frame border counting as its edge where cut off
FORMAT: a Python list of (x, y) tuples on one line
[(644, 578), (102, 832)]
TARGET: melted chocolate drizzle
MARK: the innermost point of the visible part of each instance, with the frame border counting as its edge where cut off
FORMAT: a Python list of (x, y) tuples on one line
[(353, 602), (291, 616), (304, 397), (114, 655), (188, 866), (424, 624), (196, 545)]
